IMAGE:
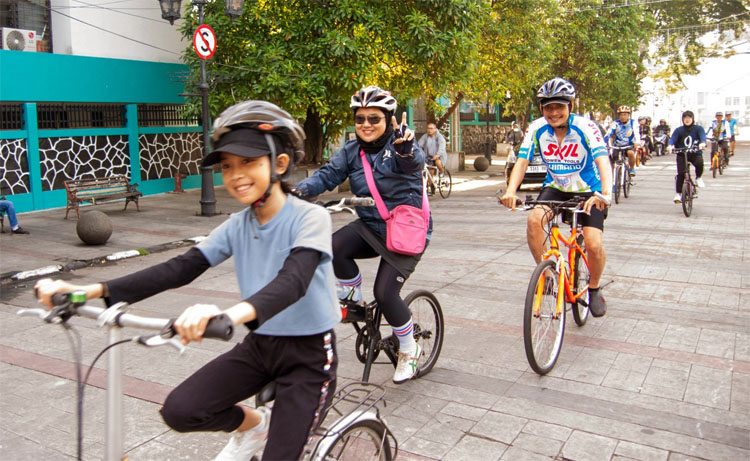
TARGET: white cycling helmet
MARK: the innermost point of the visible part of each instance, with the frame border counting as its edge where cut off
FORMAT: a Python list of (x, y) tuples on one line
[(373, 96), (556, 90)]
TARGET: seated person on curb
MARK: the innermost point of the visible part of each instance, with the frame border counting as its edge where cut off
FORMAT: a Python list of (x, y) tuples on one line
[(7, 207), (433, 145), (397, 163), (577, 164), (283, 260), (686, 136), (625, 134)]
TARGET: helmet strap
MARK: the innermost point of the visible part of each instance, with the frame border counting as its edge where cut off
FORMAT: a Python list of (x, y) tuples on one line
[(274, 176)]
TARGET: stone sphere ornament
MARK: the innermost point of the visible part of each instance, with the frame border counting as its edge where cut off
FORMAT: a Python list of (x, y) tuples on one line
[(94, 228), (481, 164)]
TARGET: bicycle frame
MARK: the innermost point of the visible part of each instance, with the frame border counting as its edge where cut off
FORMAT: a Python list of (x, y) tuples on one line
[(564, 291)]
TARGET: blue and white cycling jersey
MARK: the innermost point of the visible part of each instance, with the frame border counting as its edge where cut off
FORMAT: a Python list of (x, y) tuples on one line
[(732, 125), (626, 134), (720, 132), (570, 165)]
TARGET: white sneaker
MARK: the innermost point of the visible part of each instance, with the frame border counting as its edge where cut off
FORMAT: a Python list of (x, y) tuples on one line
[(699, 182), (243, 445), (349, 293), (677, 198), (406, 367)]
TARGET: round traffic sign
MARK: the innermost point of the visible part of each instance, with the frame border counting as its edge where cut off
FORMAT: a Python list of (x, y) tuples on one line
[(204, 41)]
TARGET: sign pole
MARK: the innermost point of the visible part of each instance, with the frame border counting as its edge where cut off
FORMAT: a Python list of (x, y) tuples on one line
[(208, 197)]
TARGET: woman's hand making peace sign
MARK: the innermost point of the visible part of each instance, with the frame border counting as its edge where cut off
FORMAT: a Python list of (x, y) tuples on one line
[(404, 141)]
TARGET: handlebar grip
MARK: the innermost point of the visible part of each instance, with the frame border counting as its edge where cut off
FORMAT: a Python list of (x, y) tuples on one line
[(60, 298), (219, 327), (359, 201)]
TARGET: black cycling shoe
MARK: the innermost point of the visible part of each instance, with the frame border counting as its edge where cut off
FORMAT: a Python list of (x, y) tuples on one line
[(597, 304)]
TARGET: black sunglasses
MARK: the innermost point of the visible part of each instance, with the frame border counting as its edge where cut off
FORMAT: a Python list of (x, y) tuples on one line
[(373, 119)]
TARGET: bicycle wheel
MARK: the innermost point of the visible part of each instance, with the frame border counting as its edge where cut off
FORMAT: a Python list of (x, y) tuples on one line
[(626, 182), (365, 439), (429, 327), (543, 333), (445, 184), (687, 198), (722, 165), (581, 278), (618, 182), (714, 166)]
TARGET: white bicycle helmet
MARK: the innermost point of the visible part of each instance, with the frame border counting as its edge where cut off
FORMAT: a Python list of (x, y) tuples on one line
[(556, 90), (373, 96)]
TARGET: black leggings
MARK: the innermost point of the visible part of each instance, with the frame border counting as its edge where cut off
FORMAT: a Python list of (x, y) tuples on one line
[(348, 246), (303, 367), (695, 159)]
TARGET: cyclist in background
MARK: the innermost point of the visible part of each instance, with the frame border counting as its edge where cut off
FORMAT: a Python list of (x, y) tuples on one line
[(733, 131), (397, 165), (625, 134), (644, 130), (720, 131), (514, 137), (433, 145), (662, 128), (686, 136), (282, 256), (577, 164)]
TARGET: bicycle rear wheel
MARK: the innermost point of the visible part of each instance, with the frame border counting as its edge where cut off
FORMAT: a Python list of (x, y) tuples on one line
[(445, 184), (714, 166), (429, 327), (618, 182), (687, 198), (543, 333), (362, 440), (581, 277)]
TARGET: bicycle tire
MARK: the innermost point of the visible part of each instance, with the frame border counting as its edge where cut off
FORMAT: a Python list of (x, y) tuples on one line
[(687, 199), (714, 166), (618, 182), (722, 165), (353, 443), (542, 355), (446, 184), (626, 183), (429, 328), (580, 274)]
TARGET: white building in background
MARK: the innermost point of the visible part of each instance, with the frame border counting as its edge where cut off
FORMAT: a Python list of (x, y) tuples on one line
[(723, 84)]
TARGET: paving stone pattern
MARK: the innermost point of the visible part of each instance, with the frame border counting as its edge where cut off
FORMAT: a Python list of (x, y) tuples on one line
[(665, 375)]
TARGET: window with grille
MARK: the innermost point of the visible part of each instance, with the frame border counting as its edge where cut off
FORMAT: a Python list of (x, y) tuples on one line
[(72, 115), (11, 116)]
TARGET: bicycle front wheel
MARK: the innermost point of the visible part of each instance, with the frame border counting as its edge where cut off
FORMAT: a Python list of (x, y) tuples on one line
[(714, 166), (687, 198), (626, 182), (543, 329), (362, 440), (429, 328), (445, 184), (581, 277), (618, 182)]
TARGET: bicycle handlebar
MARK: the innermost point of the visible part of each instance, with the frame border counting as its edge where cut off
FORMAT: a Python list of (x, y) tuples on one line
[(219, 327), (628, 147), (679, 150), (351, 201), (575, 203)]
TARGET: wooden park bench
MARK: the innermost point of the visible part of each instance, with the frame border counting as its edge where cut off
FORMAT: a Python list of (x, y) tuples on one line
[(100, 190)]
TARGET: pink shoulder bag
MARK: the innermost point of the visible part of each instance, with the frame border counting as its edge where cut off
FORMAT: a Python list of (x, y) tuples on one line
[(406, 226)]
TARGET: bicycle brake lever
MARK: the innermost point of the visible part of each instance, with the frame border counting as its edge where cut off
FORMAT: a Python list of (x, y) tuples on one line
[(158, 340)]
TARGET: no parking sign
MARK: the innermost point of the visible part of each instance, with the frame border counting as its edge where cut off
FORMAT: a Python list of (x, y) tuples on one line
[(204, 41)]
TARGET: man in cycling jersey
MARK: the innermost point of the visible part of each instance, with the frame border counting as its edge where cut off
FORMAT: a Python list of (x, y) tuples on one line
[(577, 164), (625, 134), (733, 131), (720, 131), (685, 137)]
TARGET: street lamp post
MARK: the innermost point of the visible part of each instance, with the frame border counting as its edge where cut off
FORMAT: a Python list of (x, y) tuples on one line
[(170, 10)]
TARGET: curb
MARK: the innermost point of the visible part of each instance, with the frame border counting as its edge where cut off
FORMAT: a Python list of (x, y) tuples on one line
[(18, 276)]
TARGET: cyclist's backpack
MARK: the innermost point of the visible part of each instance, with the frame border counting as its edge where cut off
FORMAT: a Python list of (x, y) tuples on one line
[(406, 226)]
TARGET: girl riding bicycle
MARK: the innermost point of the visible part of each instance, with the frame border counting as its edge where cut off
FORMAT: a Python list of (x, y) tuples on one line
[(688, 135), (283, 260), (397, 164)]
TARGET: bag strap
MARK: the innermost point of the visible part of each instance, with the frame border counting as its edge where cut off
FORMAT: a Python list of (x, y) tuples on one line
[(382, 209)]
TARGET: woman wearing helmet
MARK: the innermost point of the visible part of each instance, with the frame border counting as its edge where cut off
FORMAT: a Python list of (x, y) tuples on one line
[(577, 164), (283, 260), (397, 163)]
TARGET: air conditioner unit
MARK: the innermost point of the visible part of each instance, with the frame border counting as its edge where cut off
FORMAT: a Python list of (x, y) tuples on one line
[(19, 39)]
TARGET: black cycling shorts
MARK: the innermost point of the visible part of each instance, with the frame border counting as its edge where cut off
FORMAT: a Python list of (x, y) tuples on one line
[(595, 219)]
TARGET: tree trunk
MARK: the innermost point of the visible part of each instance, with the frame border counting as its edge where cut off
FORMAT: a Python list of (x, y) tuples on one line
[(314, 137), (444, 119)]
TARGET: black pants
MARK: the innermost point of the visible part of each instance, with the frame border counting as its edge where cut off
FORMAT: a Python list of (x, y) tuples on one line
[(694, 158), (348, 245), (303, 367)]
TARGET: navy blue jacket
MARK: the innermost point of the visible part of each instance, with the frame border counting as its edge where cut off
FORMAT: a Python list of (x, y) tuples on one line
[(685, 136), (399, 179)]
